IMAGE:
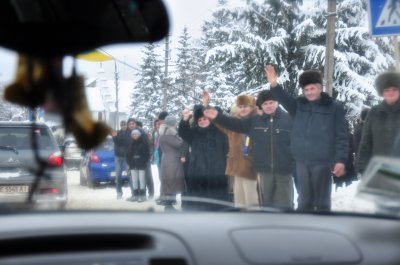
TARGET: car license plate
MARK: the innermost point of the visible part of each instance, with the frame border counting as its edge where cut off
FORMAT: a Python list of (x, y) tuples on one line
[(14, 189), (124, 173)]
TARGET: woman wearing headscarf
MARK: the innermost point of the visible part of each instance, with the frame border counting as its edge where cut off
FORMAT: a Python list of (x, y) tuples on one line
[(206, 177), (137, 157), (171, 164)]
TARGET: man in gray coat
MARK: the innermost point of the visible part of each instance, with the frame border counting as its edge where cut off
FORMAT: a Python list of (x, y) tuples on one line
[(319, 139)]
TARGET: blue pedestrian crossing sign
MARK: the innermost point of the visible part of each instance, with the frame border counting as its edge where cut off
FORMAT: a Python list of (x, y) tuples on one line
[(384, 17)]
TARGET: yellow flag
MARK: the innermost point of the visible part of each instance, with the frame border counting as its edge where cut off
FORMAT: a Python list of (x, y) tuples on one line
[(95, 56)]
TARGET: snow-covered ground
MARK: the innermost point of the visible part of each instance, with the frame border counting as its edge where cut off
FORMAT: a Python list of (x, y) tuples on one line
[(104, 196), (343, 197)]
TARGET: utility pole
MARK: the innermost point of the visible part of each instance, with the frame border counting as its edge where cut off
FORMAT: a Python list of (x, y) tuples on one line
[(396, 52), (165, 83), (116, 77), (330, 45)]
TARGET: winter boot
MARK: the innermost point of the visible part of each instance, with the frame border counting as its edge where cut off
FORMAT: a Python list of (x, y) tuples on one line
[(135, 196), (142, 196)]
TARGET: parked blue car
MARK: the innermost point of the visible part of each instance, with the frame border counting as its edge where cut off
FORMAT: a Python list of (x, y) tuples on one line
[(98, 165)]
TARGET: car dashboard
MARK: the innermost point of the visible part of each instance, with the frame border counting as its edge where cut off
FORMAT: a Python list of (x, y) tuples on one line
[(197, 238)]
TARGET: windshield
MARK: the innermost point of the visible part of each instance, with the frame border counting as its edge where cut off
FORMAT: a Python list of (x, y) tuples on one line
[(245, 104)]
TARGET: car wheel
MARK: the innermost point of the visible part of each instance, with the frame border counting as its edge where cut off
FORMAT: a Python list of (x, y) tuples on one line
[(89, 181)]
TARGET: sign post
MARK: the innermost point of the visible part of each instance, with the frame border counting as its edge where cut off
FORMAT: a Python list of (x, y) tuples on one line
[(396, 52), (384, 17), (384, 20)]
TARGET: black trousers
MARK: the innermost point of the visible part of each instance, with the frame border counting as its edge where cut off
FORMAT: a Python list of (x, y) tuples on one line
[(206, 187), (315, 186), (149, 180)]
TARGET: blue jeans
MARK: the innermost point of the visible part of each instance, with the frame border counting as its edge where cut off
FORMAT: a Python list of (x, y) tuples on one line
[(120, 165), (138, 179)]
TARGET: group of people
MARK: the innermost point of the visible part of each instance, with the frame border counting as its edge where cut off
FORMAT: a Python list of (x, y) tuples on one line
[(131, 147), (135, 150), (260, 150)]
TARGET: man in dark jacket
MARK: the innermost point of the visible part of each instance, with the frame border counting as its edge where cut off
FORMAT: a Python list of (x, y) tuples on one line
[(148, 174), (269, 135), (359, 128), (319, 139), (119, 150), (383, 121)]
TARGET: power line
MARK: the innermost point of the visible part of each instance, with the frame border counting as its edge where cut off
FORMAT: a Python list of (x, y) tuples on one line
[(120, 61), (137, 69)]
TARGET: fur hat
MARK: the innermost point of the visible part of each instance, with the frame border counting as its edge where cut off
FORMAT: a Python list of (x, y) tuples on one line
[(198, 112), (263, 96), (386, 80), (170, 120), (247, 100), (162, 115), (310, 77)]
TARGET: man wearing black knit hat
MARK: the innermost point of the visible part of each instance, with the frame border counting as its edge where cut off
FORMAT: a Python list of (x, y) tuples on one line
[(319, 139)]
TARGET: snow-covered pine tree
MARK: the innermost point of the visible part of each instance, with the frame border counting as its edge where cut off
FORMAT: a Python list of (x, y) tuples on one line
[(184, 77), (239, 41), (358, 56), (147, 94), (217, 48)]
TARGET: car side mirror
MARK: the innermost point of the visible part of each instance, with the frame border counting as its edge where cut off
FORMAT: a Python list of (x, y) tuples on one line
[(380, 185)]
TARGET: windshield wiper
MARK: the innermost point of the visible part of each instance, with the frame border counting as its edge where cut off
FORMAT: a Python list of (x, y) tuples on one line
[(10, 148)]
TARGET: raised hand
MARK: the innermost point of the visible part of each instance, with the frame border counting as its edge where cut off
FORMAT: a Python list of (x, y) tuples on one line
[(210, 113), (205, 98), (270, 74), (186, 114)]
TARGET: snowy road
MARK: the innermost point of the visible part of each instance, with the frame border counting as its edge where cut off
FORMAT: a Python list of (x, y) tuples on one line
[(104, 196)]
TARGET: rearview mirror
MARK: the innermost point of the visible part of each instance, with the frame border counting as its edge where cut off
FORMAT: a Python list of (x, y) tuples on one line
[(54, 28)]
